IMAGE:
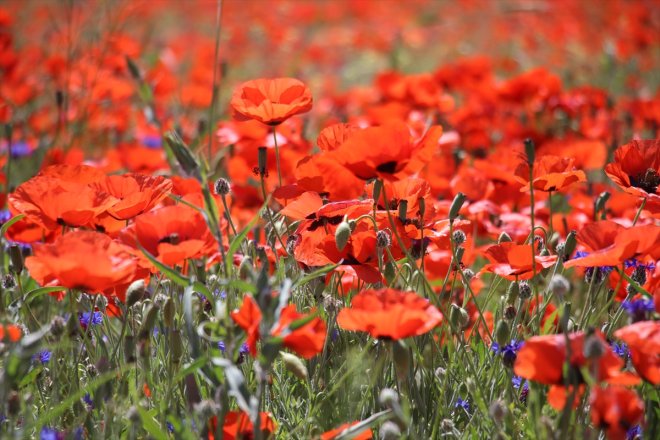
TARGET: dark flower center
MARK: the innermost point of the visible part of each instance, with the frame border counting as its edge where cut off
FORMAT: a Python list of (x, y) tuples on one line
[(173, 238), (649, 181), (387, 167)]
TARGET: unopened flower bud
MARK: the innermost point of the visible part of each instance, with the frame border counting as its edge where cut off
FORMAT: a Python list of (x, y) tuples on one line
[(388, 397), (510, 312), (401, 357), (639, 275), (502, 333), (468, 273), (512, 293), (342, 234), (57, 326), (569, 245), (8, 282), (133, 415), (222, 187), (456, 206), (498, 411), (15, 259), (559, 285), (458, 237), (530, 151), (525, 290), (262, 160), (593, 346), (389, 431), (135, 292), (403, 210), (383, 238), (168, 313), (294, 365), (458, 317)]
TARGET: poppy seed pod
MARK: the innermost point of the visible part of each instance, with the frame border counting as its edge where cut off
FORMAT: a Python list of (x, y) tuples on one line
[(342, 234), (456, 206), (222, 187), (458, 237), (262, 160), (295, 365), (403, 210)]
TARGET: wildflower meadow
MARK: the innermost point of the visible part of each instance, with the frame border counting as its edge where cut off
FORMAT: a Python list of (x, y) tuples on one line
[(329, 219)]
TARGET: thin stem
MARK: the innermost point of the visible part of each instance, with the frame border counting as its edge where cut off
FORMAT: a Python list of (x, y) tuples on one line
[(639, 211), (277, 157), (216, 86)]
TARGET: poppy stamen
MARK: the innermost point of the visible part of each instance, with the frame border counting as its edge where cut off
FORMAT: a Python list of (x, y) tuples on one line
[(649, 180)]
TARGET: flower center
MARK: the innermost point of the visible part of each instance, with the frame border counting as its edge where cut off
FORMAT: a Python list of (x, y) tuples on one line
[(649, 181)]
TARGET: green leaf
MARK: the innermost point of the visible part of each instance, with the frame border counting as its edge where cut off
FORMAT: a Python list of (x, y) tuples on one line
[(41, 291), (236, 242), (166, 270), (8, 224), (151, 426), (316, 274)]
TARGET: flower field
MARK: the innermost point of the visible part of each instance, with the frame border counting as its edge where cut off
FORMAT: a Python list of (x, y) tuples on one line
[(315, 219)]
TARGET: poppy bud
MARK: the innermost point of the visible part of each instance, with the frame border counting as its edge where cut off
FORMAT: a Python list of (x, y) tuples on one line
[(504, 238), (133, 68), (459, 237), (168, 313), (176, 345), (389, 431), (530, 151), (183, 155), (245, 268), (262, 160), (342, 234), (222, 187), (294, 365), (458, 316), (570, 244), (525, 290), (135, 292), (459, 256), (388, 398), (15, 259), (57, 326), (401, 358), (468, 274), (512, 293), (559, 285), (456, 206), (447, 426), (565, 318), (403, 210), (390, 272), (383, 238), (593, 346), (497, 411), (440, 373), (599, 204), (149, 322), (133, 415), (502, 333)]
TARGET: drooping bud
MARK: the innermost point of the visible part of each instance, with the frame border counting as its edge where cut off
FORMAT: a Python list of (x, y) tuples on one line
[(149, 322), (342, 234), (570, 244), (599, 205), (294, 365), (422, 206), (390, 272)]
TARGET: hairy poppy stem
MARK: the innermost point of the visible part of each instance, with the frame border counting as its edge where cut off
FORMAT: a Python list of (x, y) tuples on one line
[(277, 158), (639, 211), (216, 87)]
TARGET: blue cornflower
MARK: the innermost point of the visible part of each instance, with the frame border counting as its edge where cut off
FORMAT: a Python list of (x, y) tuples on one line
[(518, 384), (170, 427), (634, 433), (49, 434), (153, 142), (18, 149), (509, 352), (244, 349), (87, 398), (621, 349), (603, 271), (464, 404), (221, 346), (43, 356), (217, 293), (5, 215), (96, 318), (635, 263), (638, 309), (334, 335)]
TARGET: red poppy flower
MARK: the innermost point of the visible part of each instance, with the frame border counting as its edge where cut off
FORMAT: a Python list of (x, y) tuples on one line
[(636, 168), (51, 202), (172, 234), (388, 151), (643, 340), (514, 261), (248, 317), (271, 101), (135, 193), (542, 360), (615, 409), (334, 433), (10, 332), (331, 138), (610, 244), (550, 173), (84, 260), (239, 426), (389, 314), (306, 340)]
